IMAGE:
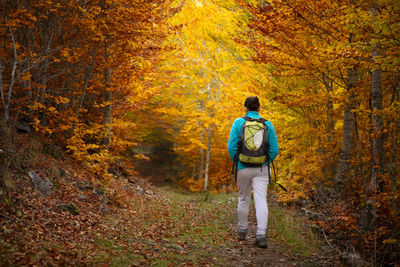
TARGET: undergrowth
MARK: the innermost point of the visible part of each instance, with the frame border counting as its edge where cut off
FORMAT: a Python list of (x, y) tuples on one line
[(289, 230), (292, 231), (145, 226)]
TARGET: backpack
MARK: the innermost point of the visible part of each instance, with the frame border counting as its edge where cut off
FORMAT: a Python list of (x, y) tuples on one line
[(253, 146)]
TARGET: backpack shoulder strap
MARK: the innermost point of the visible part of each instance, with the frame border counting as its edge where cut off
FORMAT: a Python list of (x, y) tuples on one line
[(247, 118), (262, 120)]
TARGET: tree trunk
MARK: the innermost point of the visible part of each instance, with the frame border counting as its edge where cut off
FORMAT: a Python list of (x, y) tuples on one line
[(7, 102), (201, 151), (107, 92), (210, 130), (347, 138), (2, 90), (107, 108), (88, 77), (378, 138), (194, 171), (393, 169), (360, 165), (393, 173), (369, 218)]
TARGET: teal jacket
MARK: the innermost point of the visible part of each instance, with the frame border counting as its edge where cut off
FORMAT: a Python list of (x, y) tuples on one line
[(234, 138)]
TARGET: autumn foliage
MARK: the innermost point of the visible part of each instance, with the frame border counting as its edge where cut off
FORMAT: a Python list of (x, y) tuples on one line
[(74, 70), (99, 77), (333, 77)]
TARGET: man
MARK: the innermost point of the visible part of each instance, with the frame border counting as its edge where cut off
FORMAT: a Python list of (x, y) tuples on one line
[(250, 177)]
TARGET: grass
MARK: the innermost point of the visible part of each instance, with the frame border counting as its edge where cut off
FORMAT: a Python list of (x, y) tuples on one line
[(284, 227), (120, 255), (185, 228), (202, 226), (292, 231)]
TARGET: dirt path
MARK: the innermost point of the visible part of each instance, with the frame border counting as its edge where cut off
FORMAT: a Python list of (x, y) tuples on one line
[(244, 253), (148, 227)]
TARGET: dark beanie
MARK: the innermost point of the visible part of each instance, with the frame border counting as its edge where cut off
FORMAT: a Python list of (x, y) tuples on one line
[(252, 103)]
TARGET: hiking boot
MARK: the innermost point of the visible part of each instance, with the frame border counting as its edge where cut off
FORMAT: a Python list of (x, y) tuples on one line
[(261, 242), (242, 234)]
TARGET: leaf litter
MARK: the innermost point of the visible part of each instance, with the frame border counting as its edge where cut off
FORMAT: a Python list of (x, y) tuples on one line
[(135, 226)]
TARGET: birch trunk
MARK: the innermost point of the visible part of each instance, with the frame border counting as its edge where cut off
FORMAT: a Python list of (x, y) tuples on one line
[(378, 138), (369, 218), (348, 125), (210, 131), (201, 162), (201, 150), (347, 138), (7, 102)]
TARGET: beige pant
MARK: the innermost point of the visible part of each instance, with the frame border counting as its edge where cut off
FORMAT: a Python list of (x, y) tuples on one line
[(256, 179)]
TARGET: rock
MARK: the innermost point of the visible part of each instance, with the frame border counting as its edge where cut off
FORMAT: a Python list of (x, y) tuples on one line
[(351, 259), (69, 207), (44, 185), (23, 127)]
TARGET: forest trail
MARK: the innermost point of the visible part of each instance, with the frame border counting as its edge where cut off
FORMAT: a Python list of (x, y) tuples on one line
[(57, 213), (229, 251), (142, 225), (244, 253), (220, 213), (108, 82)]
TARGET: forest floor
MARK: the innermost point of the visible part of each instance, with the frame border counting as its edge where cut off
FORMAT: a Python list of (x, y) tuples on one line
[(131, 223)]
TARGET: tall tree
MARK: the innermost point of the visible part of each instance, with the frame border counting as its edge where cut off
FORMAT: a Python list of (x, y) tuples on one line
[(204, 73)]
